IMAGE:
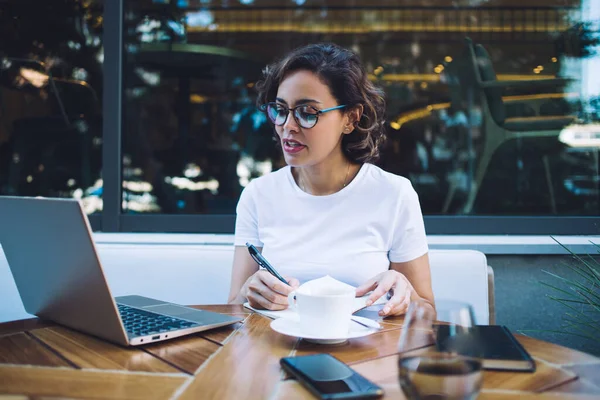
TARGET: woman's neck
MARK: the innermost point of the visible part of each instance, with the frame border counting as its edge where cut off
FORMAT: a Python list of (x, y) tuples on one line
[(325, 178)]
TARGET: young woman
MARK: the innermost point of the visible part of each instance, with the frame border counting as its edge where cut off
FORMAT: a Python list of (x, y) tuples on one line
[(329, 211)]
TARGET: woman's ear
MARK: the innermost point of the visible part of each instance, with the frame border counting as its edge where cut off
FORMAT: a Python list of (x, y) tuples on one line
[(353, 117)]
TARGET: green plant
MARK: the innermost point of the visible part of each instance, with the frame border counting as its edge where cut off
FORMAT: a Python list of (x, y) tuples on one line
[(581, 296)]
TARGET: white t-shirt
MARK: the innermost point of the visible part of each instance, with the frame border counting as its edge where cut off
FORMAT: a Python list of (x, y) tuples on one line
[(351, 235)]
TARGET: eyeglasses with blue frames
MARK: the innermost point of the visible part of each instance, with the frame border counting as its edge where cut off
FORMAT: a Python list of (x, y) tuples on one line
[(306, 116)]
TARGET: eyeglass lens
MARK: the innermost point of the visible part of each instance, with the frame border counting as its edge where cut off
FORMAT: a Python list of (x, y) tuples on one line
[(305, 116)]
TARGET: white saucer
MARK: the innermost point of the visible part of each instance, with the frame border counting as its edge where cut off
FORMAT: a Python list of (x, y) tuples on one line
[(291, 327)]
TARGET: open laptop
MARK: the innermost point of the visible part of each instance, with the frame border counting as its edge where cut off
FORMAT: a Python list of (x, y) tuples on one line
[(51, 253)]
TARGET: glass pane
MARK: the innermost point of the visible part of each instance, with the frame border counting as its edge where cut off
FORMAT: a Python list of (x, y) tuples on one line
[(493, 107), (50, 99)]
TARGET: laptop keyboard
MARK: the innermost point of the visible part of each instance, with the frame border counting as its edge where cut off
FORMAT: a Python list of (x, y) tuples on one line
[(141, 323)]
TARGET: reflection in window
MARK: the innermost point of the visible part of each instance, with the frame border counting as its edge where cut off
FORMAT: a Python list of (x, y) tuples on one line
[(484, 96), (50, 99)]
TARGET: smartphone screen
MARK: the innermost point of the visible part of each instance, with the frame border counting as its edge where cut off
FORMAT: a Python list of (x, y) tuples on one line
[(329, 378)]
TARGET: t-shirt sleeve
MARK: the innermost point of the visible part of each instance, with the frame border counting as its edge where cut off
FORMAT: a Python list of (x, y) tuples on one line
[(409, 238), (246, 221)]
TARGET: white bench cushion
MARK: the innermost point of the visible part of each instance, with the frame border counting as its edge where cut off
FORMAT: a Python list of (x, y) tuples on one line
[(461, 275), (201, 273)]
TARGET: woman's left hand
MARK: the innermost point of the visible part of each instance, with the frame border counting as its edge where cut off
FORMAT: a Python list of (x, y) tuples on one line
[(388, 281)]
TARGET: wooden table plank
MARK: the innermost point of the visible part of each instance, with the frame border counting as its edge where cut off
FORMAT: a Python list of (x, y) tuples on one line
[(220, 335), (292, 390), (22, 397), (381, 370), (545, 377), (187, 353), (357, 350), (88, 352), (20, 348), (554, 353), (246, 367), (578, 386), (586, 371), (87, 384), (517, 395), (385, 371), (23, 325), (588, 382)]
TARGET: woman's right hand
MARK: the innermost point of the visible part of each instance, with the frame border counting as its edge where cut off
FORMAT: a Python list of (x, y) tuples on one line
[(266, 292)]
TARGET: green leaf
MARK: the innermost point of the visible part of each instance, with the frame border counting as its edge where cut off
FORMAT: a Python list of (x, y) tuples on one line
[(558, 289), (595, 339), (580, 259), (574, 285), (567, 300), (574, 324), (581, 296)]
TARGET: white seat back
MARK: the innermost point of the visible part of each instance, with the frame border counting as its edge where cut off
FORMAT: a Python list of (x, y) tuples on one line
[(461, 275), (183, 274)]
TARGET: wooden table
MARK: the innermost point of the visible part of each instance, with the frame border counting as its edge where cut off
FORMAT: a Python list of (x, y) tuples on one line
[(40, 360)]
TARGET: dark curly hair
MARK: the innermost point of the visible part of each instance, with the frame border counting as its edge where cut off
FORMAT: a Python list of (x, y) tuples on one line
[(342, 71)]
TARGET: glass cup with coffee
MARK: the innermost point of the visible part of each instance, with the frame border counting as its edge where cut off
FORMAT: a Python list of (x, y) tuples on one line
[(451, 367)]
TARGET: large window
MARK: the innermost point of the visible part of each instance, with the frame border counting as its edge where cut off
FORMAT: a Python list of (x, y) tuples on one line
[(50, 99), (525, 144), (493, 105)]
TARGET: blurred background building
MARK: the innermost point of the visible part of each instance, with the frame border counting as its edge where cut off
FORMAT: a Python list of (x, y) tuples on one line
[(493, 105)]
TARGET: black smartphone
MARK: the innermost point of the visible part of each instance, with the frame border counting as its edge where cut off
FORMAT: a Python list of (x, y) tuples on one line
[(329, 378)]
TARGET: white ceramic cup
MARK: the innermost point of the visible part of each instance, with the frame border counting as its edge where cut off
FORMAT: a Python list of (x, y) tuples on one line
[(323, 312)]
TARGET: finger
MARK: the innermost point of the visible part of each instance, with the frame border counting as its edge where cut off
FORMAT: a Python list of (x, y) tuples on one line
[(366, 287), (392, 304), (257, 301), (401, 308), (382, 288), (273, 297), (258, 286), (405, 290), (293, 282), (275, 284)]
